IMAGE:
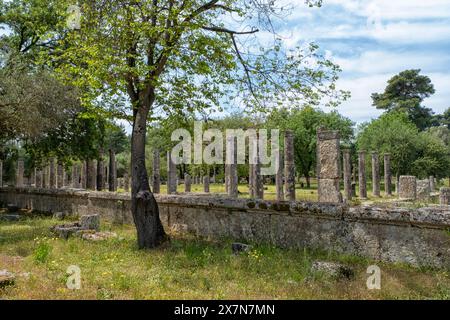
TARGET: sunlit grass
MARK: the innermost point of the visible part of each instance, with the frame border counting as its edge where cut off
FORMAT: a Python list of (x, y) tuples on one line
[(189, 268)]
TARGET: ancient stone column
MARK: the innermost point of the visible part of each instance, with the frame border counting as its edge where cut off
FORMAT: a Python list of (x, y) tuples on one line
[(1, 173), (347, 174), (444, 196), (232, 171), (256, 181), (126, 182), (90, 175), (112, 176), (45, 176), (39, 178), (79, 176), (73, 175), (19, 174), (279, 177), (407, 188), (375, 174), (432, 184), (328, 171), (100, 173), (156, 172), (387, 174), (83, 175), (59, 175), (214, 178), (289, 165), (52, 173), (65, 178), (171, 175), (362, 174), (34, 173), (187, 183), (206, 184), (227, 178)]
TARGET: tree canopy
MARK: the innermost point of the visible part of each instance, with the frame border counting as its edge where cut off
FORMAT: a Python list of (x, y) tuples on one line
[(412, 152), (405, 92)]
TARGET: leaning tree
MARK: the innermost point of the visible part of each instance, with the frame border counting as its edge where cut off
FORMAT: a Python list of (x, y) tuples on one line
[(158, 57)]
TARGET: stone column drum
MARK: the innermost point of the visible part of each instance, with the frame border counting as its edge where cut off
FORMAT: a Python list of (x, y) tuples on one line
[(375, 174), (289, 165), (328, 171), (407, 188), (362, 174)]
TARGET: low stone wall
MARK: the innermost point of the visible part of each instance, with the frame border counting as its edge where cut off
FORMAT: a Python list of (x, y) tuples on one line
[(414, 236)]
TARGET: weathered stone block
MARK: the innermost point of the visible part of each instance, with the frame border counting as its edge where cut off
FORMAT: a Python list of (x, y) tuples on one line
[(444, 196), (240, 247), (6, 278), (90, 222), (423, 189), (59, 215), (328, 155), (333, 269), (407, 188)]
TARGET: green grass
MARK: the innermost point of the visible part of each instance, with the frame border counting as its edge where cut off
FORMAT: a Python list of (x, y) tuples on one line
[(190, 268), (269, 193)]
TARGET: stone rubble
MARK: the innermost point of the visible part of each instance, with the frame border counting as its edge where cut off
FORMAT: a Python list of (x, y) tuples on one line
[(6, 278), (333, 269)]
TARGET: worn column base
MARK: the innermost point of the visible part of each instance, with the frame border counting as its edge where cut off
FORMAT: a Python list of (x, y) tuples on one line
[(329, 191)]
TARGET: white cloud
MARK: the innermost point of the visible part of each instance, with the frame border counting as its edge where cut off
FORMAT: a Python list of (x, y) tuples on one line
[(376, 62), (395, 9), (359, 107)]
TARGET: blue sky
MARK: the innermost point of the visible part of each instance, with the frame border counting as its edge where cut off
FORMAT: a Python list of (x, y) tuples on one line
[(372, 40)]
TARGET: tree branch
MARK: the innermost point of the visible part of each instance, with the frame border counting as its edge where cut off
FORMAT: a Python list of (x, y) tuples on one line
[(224, 30)]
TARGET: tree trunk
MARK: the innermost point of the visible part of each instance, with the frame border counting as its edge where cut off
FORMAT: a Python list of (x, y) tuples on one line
[(150, 232), (308, 181)]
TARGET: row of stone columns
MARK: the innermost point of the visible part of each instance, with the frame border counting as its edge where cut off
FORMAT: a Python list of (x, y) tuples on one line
[(87, 175), (256, 186), (328, 170), (362, 181)]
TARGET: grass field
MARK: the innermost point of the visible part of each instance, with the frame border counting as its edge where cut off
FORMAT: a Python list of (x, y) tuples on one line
[(190, 268)]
